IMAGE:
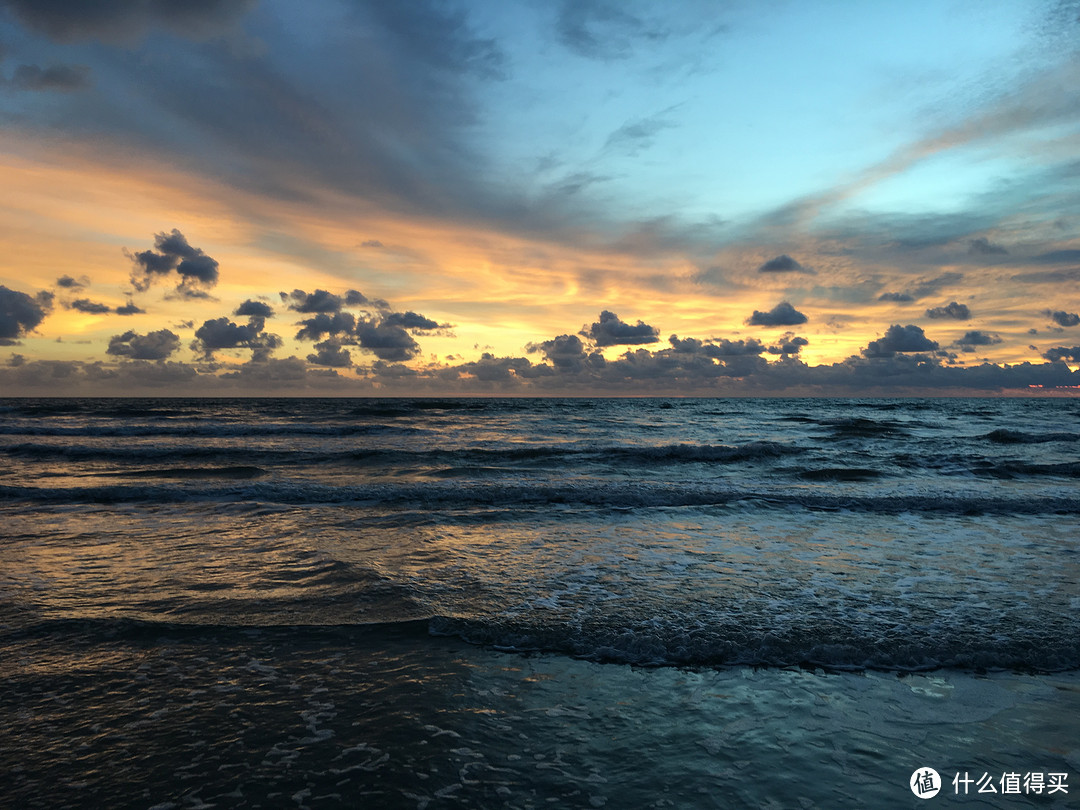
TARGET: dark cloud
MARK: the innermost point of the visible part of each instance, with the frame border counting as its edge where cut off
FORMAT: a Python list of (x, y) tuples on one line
[(21, 313), (953, 310), (129, 309), (196, 270), (783, 314), (1072, 354), (221, 333), (386, 342), (717, 348), (565, 353), (610, 330), (256, 309), (898, 339), (56, 78), (330, 353), (88, 306), (977, 337), (112, 20), (984, 247), (895, 297), (789, 343), (1062, 318), (783, 264), (491, 372), (200, 269), (153, 346), (379, 331), (371, 243), (325, 324), (410, 320), (320, 300), (69, 283)]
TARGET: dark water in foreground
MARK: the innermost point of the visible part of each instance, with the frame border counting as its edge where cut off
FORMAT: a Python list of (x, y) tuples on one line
[(534, 603)]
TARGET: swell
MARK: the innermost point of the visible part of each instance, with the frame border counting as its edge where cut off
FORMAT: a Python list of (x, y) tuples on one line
[(642, 454), (1003, 436), (203, 430), (417, 497), (692, 644), (830, 647)]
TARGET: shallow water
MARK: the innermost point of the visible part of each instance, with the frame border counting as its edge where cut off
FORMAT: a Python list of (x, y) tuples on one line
[(506, 603)]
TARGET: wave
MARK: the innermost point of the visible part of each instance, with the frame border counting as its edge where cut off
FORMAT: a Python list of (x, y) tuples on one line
[(641, 454), (838, 646), (862, 428), (840, 474), (1020, 469), (692, 642), (530, 496), (188, 472), (1003, 436), (202, 430)]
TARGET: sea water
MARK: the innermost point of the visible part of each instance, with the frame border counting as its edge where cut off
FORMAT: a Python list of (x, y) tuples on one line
[(542, 602)]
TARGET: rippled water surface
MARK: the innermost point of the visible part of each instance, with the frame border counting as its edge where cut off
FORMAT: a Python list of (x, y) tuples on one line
[(500, 602)]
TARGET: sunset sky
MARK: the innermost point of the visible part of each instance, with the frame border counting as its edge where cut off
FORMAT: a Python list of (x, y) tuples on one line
[(360, 197)]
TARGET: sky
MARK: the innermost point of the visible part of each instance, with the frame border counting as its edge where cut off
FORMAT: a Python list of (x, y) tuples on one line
[(589, 197)]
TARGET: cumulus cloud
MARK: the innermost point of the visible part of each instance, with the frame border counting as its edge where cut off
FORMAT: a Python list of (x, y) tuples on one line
[(21, 313), (1062, 318), (153, 346), (783, 314), (318, 301), (1070, 353), (610, 330), (196, 270), (256, 309), (129, 309), (221, 333), (783, 264), (410, 320), (977, 337), (378, 330), (789, 343), (953, 310), (327, 324), (564, 352), (385, 341), (717, 348), (899, 339), (330, 353)]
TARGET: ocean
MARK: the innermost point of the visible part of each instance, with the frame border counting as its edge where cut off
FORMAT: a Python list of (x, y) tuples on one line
[(525, 603)]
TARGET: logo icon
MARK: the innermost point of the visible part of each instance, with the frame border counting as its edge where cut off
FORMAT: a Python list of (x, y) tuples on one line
[(925, 783)]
